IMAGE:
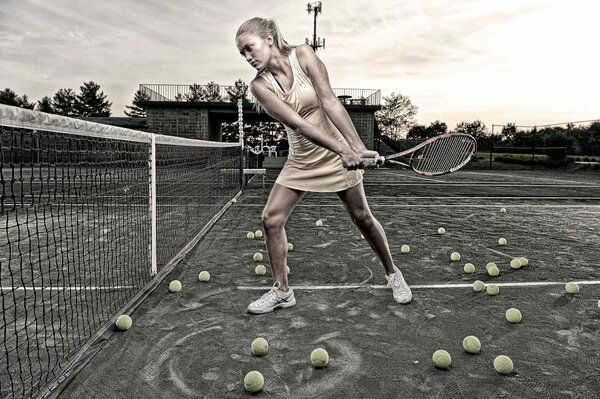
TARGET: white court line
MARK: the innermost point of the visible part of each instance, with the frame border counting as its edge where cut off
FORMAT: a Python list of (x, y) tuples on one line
[(487, 184), (521, 177), (411, 176), (423, 286), (437, 205), (118, 287)]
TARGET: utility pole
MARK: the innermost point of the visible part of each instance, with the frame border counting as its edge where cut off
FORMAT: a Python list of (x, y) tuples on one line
[(316, 41)]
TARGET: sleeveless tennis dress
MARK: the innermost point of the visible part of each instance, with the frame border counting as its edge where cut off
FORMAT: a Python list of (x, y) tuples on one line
[(309, 166)]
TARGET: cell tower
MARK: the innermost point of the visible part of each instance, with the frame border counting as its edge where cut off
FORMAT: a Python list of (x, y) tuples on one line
[(316, 42)]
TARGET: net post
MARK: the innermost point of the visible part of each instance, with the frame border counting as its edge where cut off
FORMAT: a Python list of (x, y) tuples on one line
[(152, 161), (533, 148), (241, 134), (492, 146)]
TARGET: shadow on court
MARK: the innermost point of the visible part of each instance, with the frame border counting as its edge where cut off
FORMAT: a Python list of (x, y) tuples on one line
[(196, 344)]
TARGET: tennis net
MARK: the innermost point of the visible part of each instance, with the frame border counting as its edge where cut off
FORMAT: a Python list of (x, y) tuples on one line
[(90, 214)]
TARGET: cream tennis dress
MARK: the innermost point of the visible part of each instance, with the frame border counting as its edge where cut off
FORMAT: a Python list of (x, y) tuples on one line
[(309, 166)]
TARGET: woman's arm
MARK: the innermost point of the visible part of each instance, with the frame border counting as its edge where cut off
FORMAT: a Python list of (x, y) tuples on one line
[(282, 112), (317, 72)]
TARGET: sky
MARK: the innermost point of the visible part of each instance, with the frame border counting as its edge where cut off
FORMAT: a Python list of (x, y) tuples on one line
[(528, 62)]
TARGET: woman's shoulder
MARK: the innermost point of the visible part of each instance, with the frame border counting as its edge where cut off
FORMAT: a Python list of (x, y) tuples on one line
[(304, 50)]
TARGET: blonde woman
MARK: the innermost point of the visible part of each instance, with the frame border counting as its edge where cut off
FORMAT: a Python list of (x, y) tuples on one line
[(325, 151)]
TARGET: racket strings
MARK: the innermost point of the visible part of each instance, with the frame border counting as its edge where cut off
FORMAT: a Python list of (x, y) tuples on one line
[(443, 156)]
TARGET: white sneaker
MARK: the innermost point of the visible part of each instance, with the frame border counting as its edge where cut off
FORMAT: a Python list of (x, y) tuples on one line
[(401, 290), (273, 299)]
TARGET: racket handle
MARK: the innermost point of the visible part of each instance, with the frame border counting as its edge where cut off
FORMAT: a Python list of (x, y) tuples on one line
[(377, 161)]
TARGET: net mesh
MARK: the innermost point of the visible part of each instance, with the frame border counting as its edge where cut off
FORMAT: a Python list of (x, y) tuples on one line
[(75, 230)]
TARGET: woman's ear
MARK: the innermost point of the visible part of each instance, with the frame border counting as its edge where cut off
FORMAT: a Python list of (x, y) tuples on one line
[(270, 40)]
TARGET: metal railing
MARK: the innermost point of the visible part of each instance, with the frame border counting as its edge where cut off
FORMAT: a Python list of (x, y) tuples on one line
[(187, 92)]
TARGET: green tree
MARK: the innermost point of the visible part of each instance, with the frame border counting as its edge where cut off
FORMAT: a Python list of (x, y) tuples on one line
[(196, 93), (508, 132), (91, 101), (238, 90), (64, 102), (424, 132), (212, 92), (397, 116), (476, 129), (9, 97), (136, 110), (45, 105)]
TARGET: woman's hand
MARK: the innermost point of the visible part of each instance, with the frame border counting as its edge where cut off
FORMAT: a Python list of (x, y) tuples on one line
[(351, 160), (367, 154)]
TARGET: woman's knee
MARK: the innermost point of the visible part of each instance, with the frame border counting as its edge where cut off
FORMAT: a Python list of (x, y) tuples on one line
[(273, 219), (362, 217)]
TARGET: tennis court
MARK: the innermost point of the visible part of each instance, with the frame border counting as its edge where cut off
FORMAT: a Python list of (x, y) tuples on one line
[(197, 343)]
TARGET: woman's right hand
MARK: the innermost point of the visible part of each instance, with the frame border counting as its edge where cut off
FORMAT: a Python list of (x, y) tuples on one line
[(351, 160)]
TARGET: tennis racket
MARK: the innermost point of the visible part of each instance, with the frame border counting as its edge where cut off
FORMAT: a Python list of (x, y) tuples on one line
[(438, 155)]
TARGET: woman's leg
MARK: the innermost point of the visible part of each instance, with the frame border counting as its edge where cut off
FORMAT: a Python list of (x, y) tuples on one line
[(280, 204), (356, 205)]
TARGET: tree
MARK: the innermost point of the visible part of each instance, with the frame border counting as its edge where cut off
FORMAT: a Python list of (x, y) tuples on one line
[(9, 97), (136, 110), (238, 90), (45, 105), (195, 94), (476, 129), (64, 102), (397, 115), (212, 92), (508, 131), (422, 132), (91, 101)]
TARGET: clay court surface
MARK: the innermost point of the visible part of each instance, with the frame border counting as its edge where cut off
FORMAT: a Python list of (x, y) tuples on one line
[(196, 344)]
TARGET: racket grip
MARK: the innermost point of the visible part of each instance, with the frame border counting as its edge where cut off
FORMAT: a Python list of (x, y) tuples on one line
[(377, 161)]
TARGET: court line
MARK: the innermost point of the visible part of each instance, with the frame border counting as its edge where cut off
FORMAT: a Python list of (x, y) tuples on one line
[(422, 286), (438, 205), (520, 177), (486, 183), (29, 288), (410, 176)]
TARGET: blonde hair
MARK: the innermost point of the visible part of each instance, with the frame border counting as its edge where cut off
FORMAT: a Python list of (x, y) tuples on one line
[(263, 27)]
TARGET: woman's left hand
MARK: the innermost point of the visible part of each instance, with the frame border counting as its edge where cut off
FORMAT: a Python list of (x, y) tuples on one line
[(368, 154)]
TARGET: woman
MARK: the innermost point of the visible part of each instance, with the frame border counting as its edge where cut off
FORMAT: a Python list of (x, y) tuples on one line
[(325, 151)]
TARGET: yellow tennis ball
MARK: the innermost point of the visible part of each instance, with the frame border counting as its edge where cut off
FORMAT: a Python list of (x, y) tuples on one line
[(123, 322), (287, 269), (204, 276), (405, 249), (492, 289), (515, 263), (250, 235), (290, 246), (259, 346), (469, 268), (502, 241), (599, 303), (478, 286), (513, 315), (441, 359), (441, 231), (175, 286), (254, 381), (319, 358), (502, 210), (258, 233), (572, 288), (503, 364), (524, 261), (455, 256), (361, 236), (471, 344), (234, 200), (260, 270), (319, 223), (493, 271), (258, 257)]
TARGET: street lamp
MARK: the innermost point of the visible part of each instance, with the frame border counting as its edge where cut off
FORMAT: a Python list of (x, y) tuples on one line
[(316, 42)]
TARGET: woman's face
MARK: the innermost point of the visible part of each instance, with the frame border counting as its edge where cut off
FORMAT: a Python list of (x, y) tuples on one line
[(254, 49)]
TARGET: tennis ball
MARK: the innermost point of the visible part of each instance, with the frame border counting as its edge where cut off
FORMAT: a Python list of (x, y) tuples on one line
[(502, 241), (361, 236), (258, 234), (250, 235), (254, 381), (441, 231), (319, 358), (204, 276), (259, 346), (405, 249), (123, 322), (515, 263), (513, 315), (478, 286), (260, 270), (441, 359), (572, 288), (319, 223), (234, 200), (492, 289), (175, 286), (503, 364), (472, 344), (287, 269), (493, 271), (524, 261), (469, 268), (455, 256), (599, 303), (502, 210), (290, 246), (490, 264), (258, 257)]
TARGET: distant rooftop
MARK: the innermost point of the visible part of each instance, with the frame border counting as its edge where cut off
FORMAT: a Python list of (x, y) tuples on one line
[(194, 92)]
